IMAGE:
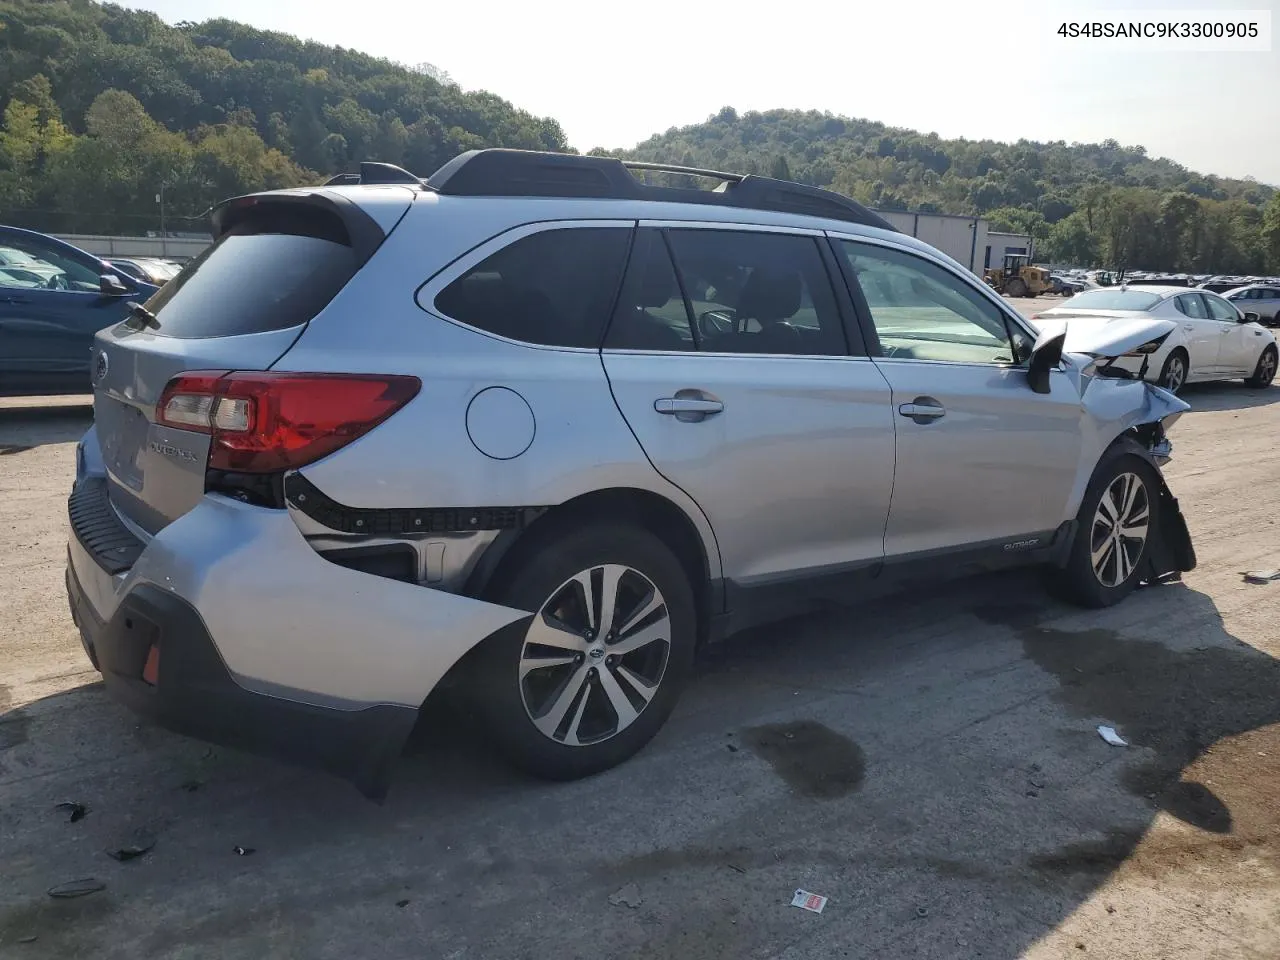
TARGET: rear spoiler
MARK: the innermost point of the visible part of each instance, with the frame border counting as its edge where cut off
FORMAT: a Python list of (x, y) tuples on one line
[(362, 231)]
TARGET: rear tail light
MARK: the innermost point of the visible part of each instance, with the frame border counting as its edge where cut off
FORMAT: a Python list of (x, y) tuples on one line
[(268, 422)]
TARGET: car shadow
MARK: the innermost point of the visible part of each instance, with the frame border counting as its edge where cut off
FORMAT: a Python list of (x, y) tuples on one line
[(1228, 395), (29, 423), (929, 762)]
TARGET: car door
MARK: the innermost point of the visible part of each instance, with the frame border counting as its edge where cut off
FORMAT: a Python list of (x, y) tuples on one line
[(1202, 333), (1237, 353), (1266, 304), (982, 459), (47, 322), (729, 360)]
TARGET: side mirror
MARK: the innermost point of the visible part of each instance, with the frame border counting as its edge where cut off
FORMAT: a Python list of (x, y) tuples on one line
[(1045, 356), (112, 286), (1251, 317)]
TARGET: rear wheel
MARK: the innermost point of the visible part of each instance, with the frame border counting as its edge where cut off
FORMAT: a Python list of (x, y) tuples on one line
[(1016, 287), (1173, 377), (1114, 528), (600, 666), (1265, 371)]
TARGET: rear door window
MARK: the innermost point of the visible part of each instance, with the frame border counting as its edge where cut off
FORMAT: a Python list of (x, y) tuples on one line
[(1191, 305), (555, 288), (277, 271)]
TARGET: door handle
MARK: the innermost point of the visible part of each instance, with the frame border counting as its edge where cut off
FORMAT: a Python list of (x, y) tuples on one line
[(674, 406), (923, 410)]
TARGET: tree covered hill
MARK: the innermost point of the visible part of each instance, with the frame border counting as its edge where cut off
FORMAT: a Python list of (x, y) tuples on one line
[(1086, 203), (105, 109), (103, 105)]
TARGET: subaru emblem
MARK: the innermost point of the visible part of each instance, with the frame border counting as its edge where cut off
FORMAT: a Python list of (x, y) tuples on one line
[(100, 366)]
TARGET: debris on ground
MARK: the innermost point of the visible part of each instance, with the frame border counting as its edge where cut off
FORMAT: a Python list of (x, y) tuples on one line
[(1110, 736), (808, 901), (132, 851), (402, 903), (191, 786), (628, 896), (732, 748), (77, 810), (31, 939), (244, 851), (922, 912), (76, 888), (735, 867), (1261, 576)]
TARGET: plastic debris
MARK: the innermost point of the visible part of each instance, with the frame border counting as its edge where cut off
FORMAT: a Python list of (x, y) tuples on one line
[(628, 896), (732, 748), (809, 901), (131, 852), (402, 903), (244, 851), (737, 869), (1110, 736), (76, 888), (922, 912), (1261, 576), (77, 810), (31, 939)]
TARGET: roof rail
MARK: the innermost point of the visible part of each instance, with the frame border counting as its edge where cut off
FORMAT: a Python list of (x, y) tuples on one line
[(529, 173), (373, 172)]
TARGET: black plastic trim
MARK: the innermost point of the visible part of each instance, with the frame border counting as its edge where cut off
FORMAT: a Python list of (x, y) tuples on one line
[(530, 173), (95, 525), (195, 694), (362, 230), (302, 494)]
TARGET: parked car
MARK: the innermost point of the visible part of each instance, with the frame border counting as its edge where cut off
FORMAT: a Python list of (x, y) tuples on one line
[(153, 271), (1211, 338), (1260, 298), (53, 298), (544, 429)]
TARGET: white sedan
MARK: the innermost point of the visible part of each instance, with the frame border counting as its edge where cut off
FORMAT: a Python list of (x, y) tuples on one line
[(1212, 339)]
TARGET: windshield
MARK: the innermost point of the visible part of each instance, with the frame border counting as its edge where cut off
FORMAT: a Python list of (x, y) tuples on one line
[(1113, 300)]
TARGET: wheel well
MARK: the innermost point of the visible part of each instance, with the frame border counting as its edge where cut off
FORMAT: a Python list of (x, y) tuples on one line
[(645, 509)]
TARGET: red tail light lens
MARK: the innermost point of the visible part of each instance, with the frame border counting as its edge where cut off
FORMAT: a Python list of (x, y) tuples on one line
[(268, 422)]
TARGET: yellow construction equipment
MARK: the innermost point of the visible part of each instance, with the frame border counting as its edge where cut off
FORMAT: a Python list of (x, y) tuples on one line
[(1017, 278)]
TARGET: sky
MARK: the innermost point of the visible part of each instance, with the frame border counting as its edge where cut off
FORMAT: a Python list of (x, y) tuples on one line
[(615, 74)]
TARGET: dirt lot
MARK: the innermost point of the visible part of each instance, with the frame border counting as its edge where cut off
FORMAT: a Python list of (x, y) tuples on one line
[(930, 764)]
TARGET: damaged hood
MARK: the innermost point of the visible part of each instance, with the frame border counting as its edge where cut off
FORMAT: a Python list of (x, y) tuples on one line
[(1106, 336)]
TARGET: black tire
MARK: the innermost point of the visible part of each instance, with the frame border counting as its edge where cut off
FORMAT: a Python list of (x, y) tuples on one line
[(540, 575), (1265, 372), (1078, 582), (1171, 369), (1016, 287)]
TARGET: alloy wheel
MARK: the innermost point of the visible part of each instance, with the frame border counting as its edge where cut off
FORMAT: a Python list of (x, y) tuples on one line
[(1267, 367), (594, 655), (1177, 375), (1119, 531)]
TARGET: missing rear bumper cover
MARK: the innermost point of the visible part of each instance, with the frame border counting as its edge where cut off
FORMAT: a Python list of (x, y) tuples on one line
[(305, 497)]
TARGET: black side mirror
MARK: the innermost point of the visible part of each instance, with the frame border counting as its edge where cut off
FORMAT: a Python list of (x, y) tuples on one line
[(112, 285), (1251, 317), (1045, 356)]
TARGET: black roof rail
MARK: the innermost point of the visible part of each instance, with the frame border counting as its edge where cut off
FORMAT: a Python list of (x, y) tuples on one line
[(529, 173), (373, 172)]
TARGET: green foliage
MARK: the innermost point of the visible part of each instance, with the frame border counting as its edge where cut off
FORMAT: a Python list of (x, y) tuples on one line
[(205, 111), (1086, 203)]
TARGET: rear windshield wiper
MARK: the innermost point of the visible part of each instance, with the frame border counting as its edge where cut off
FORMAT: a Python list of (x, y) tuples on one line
[(148, 318)]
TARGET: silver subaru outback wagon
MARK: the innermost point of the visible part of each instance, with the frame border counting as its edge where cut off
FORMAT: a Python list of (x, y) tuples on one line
[(544, 427)]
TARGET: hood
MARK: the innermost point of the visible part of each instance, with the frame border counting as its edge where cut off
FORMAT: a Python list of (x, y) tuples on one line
[(1106, 336)]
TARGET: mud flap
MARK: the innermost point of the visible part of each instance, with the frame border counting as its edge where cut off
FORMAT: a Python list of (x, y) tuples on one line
[(1171, 553)]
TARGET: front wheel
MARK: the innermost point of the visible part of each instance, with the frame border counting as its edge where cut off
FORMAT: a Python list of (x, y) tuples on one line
[(1016, 288), (1265, 371), (1117, 519), (599, 667)]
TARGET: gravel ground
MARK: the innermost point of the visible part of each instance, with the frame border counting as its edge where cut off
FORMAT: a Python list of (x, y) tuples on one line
[(931, 765)]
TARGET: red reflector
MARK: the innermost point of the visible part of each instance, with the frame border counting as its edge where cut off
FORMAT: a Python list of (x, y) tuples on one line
[(267, 422), (151, 671)]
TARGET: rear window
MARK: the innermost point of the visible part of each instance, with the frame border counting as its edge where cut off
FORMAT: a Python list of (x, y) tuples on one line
[(263, 275), (1113, 300)]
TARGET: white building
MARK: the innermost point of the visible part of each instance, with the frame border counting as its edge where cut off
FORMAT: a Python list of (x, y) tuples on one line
[(970, 240)]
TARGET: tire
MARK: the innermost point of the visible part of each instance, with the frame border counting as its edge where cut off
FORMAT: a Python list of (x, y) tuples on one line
[(1265, 371), (1118, 567), (581, 728), (1016, 287), (1173, 375)]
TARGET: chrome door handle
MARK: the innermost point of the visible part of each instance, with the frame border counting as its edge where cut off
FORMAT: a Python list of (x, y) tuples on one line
[(923, 410), (677, 405)]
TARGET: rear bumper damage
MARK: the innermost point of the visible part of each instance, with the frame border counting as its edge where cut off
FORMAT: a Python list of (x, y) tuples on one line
[(227, 626)]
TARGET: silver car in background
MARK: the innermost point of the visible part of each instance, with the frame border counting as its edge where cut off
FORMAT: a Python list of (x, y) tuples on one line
[(1262, 299), (541, 429)]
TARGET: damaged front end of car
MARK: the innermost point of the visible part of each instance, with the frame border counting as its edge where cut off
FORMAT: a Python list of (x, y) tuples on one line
[(1125, 414)]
